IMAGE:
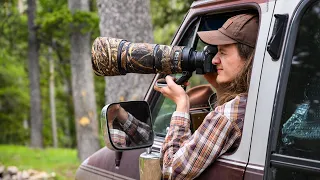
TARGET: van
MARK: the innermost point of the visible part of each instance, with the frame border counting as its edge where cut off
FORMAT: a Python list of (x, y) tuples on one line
[(281, 131)]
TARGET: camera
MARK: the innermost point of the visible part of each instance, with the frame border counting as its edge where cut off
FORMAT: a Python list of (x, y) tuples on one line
[(112, 57)]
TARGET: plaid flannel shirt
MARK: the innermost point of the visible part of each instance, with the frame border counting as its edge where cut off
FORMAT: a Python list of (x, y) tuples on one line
[(185, 156), (136, 132)]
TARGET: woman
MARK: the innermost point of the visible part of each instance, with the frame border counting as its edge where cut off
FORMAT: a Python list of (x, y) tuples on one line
[(184, 155)]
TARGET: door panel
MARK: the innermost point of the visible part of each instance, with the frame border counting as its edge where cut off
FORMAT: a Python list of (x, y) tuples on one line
[(101, 165), (224, 171), (294, 139), (267, 89), (232, 165)]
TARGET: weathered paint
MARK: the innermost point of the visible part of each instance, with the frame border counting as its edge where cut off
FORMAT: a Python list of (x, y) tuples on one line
[(221, 170)]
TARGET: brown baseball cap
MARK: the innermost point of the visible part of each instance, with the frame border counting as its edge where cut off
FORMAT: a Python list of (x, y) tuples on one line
[(242, 28)]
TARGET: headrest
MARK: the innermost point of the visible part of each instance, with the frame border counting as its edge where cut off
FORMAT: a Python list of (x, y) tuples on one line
[(199, 96)]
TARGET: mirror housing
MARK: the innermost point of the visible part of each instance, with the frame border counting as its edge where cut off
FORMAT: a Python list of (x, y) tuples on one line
[(127, 125)]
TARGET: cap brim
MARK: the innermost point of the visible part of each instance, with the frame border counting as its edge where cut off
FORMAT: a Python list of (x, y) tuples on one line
[(215, 38)]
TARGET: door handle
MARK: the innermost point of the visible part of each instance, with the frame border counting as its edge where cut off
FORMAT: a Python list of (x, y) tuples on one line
[(275, 43)]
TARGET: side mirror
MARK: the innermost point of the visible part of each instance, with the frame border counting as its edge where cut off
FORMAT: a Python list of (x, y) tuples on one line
[(127, 125)]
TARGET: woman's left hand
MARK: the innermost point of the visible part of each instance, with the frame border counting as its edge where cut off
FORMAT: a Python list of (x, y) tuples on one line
[(176, 93)]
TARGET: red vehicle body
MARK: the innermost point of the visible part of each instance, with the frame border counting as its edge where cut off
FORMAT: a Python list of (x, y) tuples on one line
[(261, 153)]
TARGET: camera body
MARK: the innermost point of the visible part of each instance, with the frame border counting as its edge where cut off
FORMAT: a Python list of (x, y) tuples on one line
[(201, 62)]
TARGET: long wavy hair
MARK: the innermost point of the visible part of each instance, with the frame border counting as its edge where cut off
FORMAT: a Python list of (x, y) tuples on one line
[(240, 85)]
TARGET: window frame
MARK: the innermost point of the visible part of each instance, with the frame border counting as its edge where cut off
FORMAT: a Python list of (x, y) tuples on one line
[(274, 159), (157, 94), (194, 23), (194, 26)]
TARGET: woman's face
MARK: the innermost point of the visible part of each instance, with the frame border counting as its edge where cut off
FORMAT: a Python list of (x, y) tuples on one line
[(228, 62)]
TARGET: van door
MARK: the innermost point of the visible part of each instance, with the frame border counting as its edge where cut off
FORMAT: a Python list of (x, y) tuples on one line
[(233, 164), (203, 16), (294, 139), (282, 93)]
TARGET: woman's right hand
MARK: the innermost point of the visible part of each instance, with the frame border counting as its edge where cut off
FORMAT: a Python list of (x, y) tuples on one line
[(176, 93)]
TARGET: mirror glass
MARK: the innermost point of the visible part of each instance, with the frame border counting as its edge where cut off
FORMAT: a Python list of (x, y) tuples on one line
[(127, 125)]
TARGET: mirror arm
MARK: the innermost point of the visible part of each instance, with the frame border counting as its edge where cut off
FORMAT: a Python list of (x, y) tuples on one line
[(118, 158)]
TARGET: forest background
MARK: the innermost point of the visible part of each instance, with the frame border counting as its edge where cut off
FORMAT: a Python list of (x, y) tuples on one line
[(52, 24)]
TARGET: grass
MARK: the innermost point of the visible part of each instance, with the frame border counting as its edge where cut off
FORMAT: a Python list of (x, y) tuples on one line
[(63, 162)]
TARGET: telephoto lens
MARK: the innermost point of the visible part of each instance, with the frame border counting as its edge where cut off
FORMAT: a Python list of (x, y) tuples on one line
[(112, 57)]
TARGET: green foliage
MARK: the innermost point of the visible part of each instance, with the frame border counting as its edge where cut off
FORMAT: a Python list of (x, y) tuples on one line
[(49, 22), (53, 20), (88, 21), (63, 162), (61, 19), (167, 15), (14, 101)]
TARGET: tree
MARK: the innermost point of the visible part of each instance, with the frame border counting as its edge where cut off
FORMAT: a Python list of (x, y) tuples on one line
[(128, 20), (167, 16), (34, 77), (52, 100), (53, 32), (83, 86)]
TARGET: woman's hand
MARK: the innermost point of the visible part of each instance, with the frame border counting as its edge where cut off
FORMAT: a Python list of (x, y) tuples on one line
[(123, 115), (116, 111), (176, 93)]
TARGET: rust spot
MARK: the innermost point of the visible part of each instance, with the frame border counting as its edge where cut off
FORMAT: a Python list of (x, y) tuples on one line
[(83, 93), (84, 121), (90, 114), (135, 98)]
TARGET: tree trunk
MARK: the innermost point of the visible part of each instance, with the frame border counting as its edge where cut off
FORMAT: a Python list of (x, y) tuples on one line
[(128, 20), (52, 100), (34, 77), (83, 87)]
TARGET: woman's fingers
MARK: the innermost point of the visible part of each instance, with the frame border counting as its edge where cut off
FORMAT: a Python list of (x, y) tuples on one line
[(164, 91), (186, 83), (156, 88), (172, 90), (170, 81)]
